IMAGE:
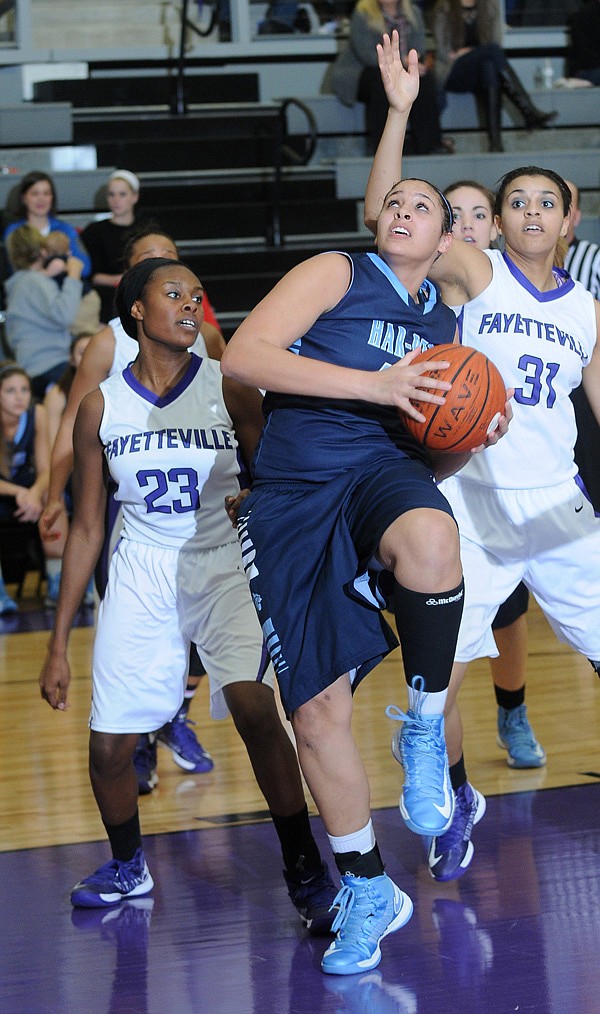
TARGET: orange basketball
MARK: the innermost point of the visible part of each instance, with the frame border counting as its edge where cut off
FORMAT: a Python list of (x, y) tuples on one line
[(472, 406)]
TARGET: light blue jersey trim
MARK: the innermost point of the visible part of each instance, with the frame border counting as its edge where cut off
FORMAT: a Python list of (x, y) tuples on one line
[(427, 289)]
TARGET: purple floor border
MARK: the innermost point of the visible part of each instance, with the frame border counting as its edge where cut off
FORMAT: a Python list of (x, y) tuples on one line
[(519, 932)]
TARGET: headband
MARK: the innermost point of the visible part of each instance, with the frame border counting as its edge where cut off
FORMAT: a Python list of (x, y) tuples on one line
[(446, 204), (129, 177)]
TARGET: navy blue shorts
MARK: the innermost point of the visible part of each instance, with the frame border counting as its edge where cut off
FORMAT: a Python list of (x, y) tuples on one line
[(305, 546), (516, 605)]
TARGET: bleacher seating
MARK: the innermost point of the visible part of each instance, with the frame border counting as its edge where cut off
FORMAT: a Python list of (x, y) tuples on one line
[(208, 177)]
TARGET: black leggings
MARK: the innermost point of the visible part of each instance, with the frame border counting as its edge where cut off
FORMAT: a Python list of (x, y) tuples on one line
[(424, 120), (477, 70)]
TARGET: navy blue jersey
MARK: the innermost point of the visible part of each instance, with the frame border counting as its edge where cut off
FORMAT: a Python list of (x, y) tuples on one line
[(373, 326)]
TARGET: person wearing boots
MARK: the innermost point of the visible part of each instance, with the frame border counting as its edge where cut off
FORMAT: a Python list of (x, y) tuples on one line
[(354, 76), (470, 58)]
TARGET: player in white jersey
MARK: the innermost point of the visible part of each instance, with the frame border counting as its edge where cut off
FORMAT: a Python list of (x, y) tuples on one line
[(169, 429), (473, 213), (522, 514), (110, 351)]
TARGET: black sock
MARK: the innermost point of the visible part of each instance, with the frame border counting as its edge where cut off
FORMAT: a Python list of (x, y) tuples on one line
[(428, 631), (458, 775), (298, 847), (509, 699), (369, 864), (126, 838)]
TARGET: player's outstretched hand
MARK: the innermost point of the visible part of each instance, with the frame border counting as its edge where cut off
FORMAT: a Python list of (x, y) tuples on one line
[(54, 681), (501, 429), (401, 84), (233, 504)]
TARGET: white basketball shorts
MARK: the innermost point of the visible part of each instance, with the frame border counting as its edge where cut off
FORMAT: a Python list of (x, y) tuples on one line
[(158, 601), (548, 537)]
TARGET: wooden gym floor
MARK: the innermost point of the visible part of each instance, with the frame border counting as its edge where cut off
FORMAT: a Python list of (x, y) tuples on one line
[(520, 931)]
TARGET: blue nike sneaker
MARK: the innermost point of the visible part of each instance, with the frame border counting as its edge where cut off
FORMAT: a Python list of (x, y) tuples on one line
[(517, 737), (451, 853), (427, 800), (185, 747), (113, 882), (314, 899), (369, 909)]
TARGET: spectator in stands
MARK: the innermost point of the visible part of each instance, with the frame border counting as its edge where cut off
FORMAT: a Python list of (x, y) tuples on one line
[(24, 457), (284, 17), (105, 240), (40, 313), (470, 58), (55, 403), (355, 74), (584, 50), (37, 207)]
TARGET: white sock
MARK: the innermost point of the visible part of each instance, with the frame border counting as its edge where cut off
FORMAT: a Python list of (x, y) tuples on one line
[(53, 567), (430, 704), (361, 841)]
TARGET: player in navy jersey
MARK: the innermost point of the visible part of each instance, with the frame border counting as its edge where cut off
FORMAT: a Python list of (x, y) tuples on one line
[(340, 485), (522, 510), (168, 428)]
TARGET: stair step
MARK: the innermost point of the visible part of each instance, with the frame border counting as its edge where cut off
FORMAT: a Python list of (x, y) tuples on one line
[(147, 90)]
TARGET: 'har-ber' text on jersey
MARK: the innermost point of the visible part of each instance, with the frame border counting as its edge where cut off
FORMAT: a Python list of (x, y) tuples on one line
[(540, 342), (373, 326), (173, 459)]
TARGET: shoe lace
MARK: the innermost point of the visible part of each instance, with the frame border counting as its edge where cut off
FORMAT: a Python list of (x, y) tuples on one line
[(185, 737), (357, 915), (124, 873), (422, 738), (519, 728)]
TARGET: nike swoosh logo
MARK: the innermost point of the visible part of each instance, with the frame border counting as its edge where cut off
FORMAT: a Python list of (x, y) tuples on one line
[(446, 809), (577, 509)]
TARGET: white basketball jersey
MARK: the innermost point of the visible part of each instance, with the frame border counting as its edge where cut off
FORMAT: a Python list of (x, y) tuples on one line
[(126, 348), (540, 342), (173, 459)]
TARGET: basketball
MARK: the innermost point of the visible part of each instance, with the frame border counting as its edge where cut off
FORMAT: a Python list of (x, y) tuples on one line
[(472, 407)]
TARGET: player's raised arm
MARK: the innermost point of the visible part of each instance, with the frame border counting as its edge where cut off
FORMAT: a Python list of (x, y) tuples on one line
[(401, 87), (591, 373)]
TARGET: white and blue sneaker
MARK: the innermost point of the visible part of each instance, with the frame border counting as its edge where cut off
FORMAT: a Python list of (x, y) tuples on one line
[(427, 801), (52, 590), (369, 909), (516, 736), (451, 853), (113, 882)]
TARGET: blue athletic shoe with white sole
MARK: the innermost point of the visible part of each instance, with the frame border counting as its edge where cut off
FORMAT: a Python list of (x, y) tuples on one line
[(451, 853), (427, 800), (314, 898), (369, 909), (113, 882), (516, 736), (184, 745)]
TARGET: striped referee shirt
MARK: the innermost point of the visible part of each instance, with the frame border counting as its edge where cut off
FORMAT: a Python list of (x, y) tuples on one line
[(583, 264)]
